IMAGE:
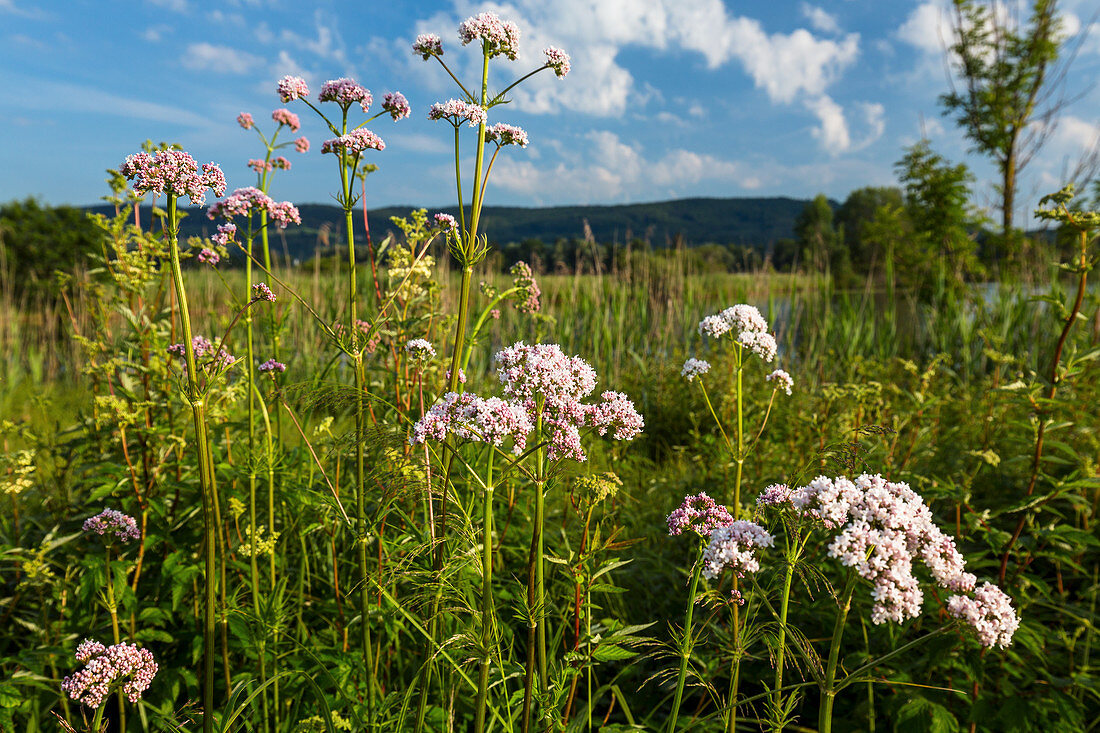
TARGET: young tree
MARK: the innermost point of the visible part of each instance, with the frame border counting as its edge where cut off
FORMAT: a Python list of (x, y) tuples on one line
[(1007, 84)]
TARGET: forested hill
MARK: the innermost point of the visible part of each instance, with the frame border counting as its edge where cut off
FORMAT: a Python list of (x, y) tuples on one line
[(751, 222)]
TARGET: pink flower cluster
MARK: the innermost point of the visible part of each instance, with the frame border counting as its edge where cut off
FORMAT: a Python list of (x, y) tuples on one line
[(209, 257), (557, 60), (111, 521), (747, 326), (420, 349), (544, 386), (259, 165), (989, 612), (345, 92), (699, 514), (446, 222), (782, 380), (500, 37), (355, 141), (285, 117), (428, 45), (260, 291), (694, 368), (280, 163), (174, 173), (244, 201), (244, 119), (396, 104), (302, 144), (733, 546), (106, 669), (272, 366), (882, 528), (455, 111), (470, 417), (291, 88), (504, 134), (225, 234), (551, 385), (524, 279), (204, 348)]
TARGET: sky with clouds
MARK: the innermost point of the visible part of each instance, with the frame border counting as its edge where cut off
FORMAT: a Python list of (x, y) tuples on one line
[(666, 99)]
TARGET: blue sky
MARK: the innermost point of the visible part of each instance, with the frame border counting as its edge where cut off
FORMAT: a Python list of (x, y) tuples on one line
[(666, 99)]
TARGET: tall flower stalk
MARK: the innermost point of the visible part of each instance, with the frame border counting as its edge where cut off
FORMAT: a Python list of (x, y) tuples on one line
[(495, 37), (348, 147), (175, 173)]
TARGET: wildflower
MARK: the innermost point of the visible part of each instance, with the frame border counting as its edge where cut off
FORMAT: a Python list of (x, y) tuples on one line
[(244, 201), (713, 326), (302, 144), (694, 368), (22, 467), (699, 514), (110, 521), (760, 343), (244, 119), (495, 314), (616, 412), (782, 380), (461, 376), (500, 37), (524, 279), (355, 141), (882, 528), (272, 366), (748, 327), (285, 117), (284, 213), (224, 235), (470, 417), (203, 348), (503, 134), (455, 111), (446, 222), (428, 45), (259, 165), (260, 291), (174, 173), (281, 163), (598, 487), (557, 60), (292, 87), (107, 669), (989, 613), (420, 349), (345, 92), (209, 256), (733, 546), (396, 104), (262, 546)]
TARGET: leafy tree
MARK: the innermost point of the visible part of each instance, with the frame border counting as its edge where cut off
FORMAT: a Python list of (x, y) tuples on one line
[(937, 196), (815, 234), (855, 214), (1006, 74), (37, 240)]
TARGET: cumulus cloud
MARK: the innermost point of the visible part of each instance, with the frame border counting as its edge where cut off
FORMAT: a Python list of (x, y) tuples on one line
[(209, 57), (820, 19), (178, 6), (602, 167), (927, 28), (834, 131)]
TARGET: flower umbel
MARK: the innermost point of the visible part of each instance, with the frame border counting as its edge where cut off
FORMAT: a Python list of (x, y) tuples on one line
[(107, 669)]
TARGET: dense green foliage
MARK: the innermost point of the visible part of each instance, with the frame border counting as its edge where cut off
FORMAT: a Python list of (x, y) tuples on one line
[(37, 240)]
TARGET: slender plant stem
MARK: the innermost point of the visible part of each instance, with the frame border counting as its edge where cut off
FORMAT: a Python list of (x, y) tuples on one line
[(206, 476), (828, 693), (486, 596), (112, 607), (789, 558), (686, 642)]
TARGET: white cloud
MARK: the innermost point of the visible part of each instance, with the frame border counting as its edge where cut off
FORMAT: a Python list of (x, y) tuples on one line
[(38, 94), (927, 28), (820, 20), (208, 57), (787, 66), (178, 6), (601, 168), (327, 44), (833, 130), (9, 7), (153, 34)]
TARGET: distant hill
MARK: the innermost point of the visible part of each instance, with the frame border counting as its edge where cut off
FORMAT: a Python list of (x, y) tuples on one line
[(753, 222)]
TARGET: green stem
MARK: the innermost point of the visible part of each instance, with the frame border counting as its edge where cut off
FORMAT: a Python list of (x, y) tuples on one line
[(686, 643), (782, 647), (206, 476), (828, 693), (112, 607), (735, 676), (486, 596), (97, 720), (740, 436)]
